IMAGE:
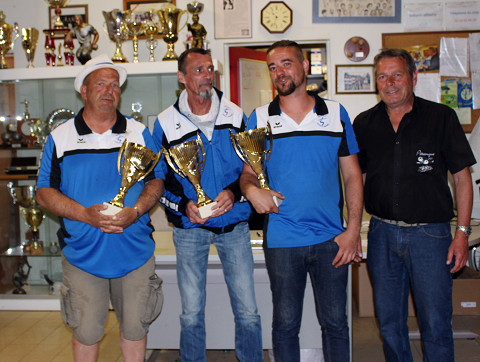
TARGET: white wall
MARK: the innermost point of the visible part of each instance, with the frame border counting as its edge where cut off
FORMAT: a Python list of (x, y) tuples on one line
[(34, 13)]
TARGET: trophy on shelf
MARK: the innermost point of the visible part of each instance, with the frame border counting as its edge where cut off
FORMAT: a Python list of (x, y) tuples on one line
[(169, 18), (151, 28), (29, 43), (58, 4), (117, 30), (187, 158), (135, 28), (137, 163), (198, 30), (6, 41), (32, 213), (250, 146)]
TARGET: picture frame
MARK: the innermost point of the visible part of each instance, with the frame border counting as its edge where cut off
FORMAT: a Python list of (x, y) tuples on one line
[(145, 5), (233, 19), (67, 15), (355, 79), (357, 11), (140, 6)]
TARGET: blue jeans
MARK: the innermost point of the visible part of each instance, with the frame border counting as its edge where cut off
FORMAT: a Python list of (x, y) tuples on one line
[(287, 270), (400, 257), (235, 252)]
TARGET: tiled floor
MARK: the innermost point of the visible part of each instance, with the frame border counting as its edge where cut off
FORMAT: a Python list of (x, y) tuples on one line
[(41, 336)]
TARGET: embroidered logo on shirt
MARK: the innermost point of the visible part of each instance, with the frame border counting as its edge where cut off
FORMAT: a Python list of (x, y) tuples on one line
[(119, 139), (323, 121), (276, 124), (227, 112), (80, 140), (178, 125), (425, 161)]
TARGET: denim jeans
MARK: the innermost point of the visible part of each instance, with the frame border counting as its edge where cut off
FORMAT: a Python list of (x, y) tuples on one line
[(235, 252), (287, 270), (400, 257)]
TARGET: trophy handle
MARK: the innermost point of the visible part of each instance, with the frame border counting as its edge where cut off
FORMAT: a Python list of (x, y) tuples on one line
[(235, 147), (270, 136), (202, 147), (155, 161), (186, 21), (17, 34), (12, 191), (170, 162), (120, 153)]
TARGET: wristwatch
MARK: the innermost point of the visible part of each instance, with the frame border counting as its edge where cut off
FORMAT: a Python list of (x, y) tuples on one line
[(466, 229)]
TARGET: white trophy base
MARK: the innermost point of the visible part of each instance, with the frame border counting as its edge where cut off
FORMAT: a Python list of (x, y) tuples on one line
[(206, 210), (111, 209), (277, 201)]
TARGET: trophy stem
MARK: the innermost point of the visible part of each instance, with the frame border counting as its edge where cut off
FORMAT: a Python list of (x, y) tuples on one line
[(263, 182), (118, 56), (3, 62), (202, 198), (171, 55), (119, 199), (135, 49)]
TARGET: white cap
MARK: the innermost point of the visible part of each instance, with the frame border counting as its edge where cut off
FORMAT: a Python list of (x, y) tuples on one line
[(100, 62)]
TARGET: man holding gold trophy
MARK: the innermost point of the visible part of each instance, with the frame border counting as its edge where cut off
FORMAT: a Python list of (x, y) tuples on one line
[(204, 203), (104, 255), (313, 142)]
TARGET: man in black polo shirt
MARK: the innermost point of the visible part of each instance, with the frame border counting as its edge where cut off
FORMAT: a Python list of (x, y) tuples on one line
[(407, 146)]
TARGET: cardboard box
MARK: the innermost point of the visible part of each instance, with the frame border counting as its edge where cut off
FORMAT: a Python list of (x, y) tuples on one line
[(363, 292), (466, 292)]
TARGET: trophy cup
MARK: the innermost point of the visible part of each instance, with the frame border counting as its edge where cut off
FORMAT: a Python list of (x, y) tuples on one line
[(29, 43), (187, 158), (135, 28), (169, 17), (198, 30), (250, 146), (6, 41), (57, 4), (32, 213), (117, 31), (138, 161), (151, 29)]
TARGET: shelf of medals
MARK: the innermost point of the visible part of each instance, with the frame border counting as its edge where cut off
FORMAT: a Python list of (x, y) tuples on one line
[(160, 67)]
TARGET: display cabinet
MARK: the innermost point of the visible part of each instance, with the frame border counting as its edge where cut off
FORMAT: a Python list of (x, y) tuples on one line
[(150, 88)]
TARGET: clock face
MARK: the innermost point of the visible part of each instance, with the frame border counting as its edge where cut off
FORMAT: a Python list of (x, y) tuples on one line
[(276, 17)]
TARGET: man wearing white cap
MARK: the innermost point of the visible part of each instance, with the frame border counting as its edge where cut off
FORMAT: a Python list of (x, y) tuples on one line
[(104, 258)]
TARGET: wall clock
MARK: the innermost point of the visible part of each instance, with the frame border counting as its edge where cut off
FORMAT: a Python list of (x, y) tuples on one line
[(276, 17)]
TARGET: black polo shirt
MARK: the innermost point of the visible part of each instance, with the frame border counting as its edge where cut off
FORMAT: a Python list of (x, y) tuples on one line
[(406, 171)]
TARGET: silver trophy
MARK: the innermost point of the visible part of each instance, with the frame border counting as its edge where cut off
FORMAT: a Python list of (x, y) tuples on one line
[(117, 30)]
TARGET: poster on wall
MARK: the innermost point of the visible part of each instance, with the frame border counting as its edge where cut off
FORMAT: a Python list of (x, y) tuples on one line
[(233, 19), (357, 11), (462, 15), (423, 16)]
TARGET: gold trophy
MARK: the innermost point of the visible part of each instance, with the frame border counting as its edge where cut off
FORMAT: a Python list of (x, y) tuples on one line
[(6, 41), (138, 161), (250, 146), (198, 30), (187, 158), (57, 4), (32, 213), (169, 18), (117, 30), (150, 29), (135, 28), (29, 43)]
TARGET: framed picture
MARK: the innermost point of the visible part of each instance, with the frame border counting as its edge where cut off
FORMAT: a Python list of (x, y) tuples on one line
[(357, 11), (355, 79), (233, 19), (141, 7), (68, 15), (145, 5)]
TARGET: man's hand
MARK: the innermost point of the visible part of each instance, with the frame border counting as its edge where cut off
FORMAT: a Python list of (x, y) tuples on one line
[(348, 243), (459, 249), (110, 223), (262, 200), (225, 201)]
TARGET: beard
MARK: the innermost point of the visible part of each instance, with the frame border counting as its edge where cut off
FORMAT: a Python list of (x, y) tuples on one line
[(290, 87), (207, 93)]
